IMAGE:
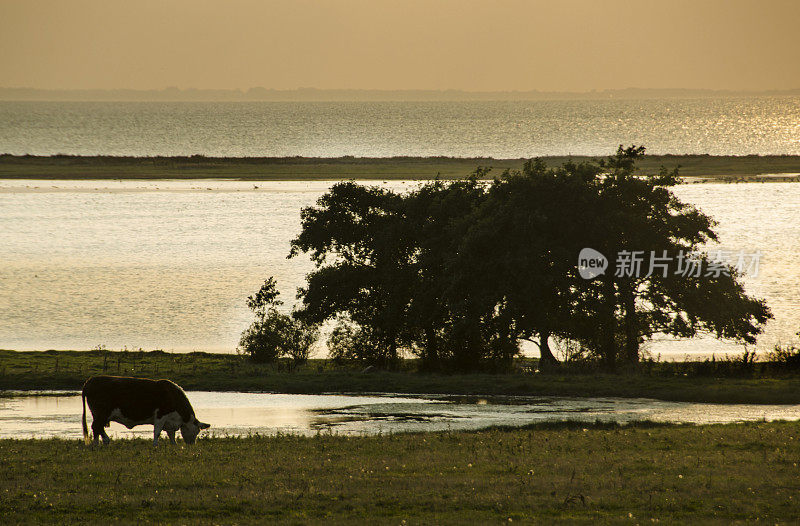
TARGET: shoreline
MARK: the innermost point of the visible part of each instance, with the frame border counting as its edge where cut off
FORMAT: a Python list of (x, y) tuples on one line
[(712, 382), (693, 168)]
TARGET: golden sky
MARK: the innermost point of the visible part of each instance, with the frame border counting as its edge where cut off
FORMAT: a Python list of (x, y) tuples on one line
[(562, 45)]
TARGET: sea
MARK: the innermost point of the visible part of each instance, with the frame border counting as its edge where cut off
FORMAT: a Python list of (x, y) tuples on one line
[(169, 264), (504, 129)]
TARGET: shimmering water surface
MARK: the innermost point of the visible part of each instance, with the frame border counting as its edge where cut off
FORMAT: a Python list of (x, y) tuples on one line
[(168, 264), (737, 126), (248, 413)]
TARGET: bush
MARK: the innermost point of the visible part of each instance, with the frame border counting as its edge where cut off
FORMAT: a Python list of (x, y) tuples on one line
[(274, 334), (786, 357), (277, 335), (262, 342), (351, 344)]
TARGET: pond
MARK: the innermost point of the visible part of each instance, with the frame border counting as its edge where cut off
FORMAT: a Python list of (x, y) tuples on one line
[(58, 414)]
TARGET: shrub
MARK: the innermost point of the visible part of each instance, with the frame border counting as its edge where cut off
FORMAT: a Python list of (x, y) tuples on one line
[(349, 343), (277, 335), (274, 334), (786, 357)]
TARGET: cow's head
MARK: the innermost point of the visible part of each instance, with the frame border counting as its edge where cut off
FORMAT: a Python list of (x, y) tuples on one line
[(190, 429)]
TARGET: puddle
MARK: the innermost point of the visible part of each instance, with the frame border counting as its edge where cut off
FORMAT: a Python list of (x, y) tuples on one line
[(58, 414)]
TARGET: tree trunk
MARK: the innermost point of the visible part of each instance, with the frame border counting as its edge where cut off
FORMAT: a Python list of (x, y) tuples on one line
[(608, 347), (393, 352), (631, 327), (547, 360), (431, 361), (390, 356)]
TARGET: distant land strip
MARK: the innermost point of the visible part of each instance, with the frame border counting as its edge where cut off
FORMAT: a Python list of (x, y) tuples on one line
[(696, 167), (174, 94)]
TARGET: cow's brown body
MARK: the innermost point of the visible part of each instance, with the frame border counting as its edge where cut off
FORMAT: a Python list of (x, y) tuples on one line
[(138, 401)]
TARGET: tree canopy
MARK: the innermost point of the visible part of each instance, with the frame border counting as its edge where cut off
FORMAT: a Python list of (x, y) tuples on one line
[(460, 273)]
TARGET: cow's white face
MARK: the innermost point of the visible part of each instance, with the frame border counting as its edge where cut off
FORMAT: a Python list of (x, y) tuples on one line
[(190, 430)]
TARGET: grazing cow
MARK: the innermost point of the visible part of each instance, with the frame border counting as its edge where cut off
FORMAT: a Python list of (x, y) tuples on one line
[(136, 401)]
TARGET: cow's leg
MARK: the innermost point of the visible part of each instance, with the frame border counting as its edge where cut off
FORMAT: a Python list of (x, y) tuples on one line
[(158, 425), (99, 432), (96, 422), (171, 435)]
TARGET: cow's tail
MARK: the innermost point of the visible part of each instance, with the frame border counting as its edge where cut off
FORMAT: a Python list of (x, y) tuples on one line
[(86, 438)]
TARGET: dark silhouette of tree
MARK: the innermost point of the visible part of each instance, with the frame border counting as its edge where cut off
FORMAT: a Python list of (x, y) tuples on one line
[(641, 214), (519, 254), (461, 272), (361, 244), (547, 216), (451, 333)]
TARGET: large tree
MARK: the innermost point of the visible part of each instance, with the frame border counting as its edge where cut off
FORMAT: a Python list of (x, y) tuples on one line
[(450, 334), (361, 244), (382, 264), (518, 255), (642, 217), (525, 241), (461, 272)]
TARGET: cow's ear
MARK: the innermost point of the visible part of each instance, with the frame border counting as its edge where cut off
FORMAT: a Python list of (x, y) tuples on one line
[(201, 425)]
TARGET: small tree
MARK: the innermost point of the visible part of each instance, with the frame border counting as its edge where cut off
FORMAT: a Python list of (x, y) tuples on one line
[(274, 334)]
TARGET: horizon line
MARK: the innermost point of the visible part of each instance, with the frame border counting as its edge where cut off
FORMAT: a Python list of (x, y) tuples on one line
[(309, 94), (434, 90)]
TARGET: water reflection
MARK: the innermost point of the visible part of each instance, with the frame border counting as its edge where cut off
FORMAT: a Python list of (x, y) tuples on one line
[(248, 413)]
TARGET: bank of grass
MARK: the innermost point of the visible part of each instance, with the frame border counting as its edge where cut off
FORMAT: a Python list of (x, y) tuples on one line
[(565, 473), (728, 382), (725, 168)]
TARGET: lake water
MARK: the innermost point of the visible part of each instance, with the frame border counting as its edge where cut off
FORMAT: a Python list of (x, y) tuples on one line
[(512, 129), (169, 264), (241, 414)]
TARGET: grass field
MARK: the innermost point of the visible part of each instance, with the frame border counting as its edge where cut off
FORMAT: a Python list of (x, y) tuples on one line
[(547, 474), (725, 168), (220, 372)]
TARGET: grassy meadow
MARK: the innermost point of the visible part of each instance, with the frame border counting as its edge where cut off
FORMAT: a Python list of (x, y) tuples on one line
[(716, 168), (563, 473), (722, 381)]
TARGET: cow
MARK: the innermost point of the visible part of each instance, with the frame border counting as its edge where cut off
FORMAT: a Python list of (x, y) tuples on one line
[(137, 401)]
